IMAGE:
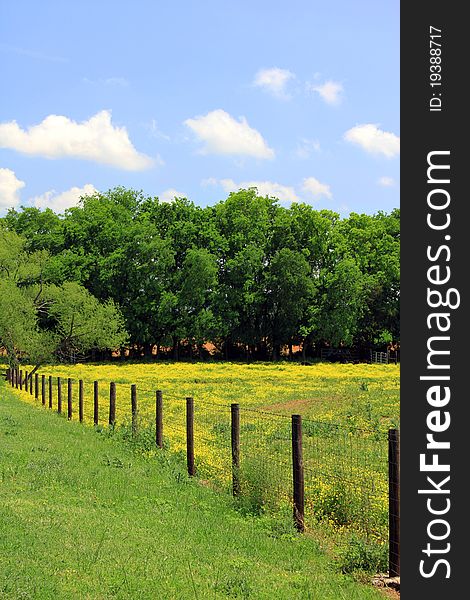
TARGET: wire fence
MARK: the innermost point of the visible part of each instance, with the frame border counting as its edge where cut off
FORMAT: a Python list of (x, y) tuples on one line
[(329, 475)]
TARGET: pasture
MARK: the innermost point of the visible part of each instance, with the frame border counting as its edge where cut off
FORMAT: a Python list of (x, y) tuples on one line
[(358, 395), (347, 410), (83, 516)]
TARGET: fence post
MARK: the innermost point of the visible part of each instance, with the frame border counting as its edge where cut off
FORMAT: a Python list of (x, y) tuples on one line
[(159, 418), (235, 418), (21, 379), (26, 381), (50, 391), (36, 386), (31, 384), (134, 409), (298, 472), (69, 399), (43, 390), (112, 404), (80, 401), (190, 435), (394, 502), (17, 372), (59, 395), (95, 403)]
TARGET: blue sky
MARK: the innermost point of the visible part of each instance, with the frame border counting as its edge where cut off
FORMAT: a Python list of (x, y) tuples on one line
[(300, 98)]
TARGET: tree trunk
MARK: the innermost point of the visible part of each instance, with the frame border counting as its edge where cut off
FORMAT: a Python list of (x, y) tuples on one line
[(276, 351)]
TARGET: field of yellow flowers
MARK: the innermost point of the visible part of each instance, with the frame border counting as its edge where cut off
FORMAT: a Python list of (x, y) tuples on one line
[(346, 409)]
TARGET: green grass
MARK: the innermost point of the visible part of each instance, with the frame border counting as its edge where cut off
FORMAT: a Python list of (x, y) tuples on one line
[(83, 516)]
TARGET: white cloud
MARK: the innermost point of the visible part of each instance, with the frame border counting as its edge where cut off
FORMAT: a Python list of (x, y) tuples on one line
[(222, 134), (374, 140), (311, 189), (306, 148), (330, 91), (156, 132), (170, 194), (10, 186), (284, 193), (108, 81), (117, 81), (59, 137), (36, 54), (209, 181), (59, 202), (274, 81), (386, 181), (314, 188)]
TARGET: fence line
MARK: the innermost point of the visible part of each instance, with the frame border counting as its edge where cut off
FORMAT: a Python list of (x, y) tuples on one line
[(335, 471)]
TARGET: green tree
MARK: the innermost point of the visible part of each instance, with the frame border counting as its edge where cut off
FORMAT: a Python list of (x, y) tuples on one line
[(80, 323), (289, 292), (39, 320)]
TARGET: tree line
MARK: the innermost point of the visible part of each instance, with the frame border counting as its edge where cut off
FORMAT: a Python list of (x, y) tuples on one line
[(248, 275)]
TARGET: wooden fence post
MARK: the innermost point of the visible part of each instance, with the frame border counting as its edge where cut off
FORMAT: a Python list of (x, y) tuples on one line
[(394, 502), (31, 384), (26, 381), (112, 404), (36, 386), (190, 435), (298, 472), (95, 403), (43, 390), (59, 395), (21, 379), (235, 418), (159, 418), (69, 399), (80, 401), (17, 372), (50, 391), (134, 409)]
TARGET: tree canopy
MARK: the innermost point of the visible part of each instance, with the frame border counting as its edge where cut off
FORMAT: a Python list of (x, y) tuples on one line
[(41, 321), (247, 274)]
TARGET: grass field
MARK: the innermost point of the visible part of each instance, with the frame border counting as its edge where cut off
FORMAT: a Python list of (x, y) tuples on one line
[(346, 409), (82, 516), (362, 395)]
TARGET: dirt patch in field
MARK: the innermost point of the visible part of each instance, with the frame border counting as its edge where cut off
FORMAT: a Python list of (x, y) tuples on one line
[(291, 405), (390, 587)]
